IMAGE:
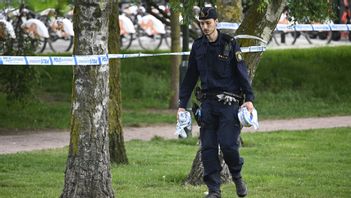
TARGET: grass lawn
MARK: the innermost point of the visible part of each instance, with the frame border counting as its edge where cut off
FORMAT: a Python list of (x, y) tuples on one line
[(300, 82), (314, 163)]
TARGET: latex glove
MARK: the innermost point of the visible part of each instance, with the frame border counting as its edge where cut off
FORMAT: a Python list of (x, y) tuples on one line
[(226, 99)]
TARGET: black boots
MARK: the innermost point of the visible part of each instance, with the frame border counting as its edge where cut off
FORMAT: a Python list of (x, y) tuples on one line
[(241, 189)]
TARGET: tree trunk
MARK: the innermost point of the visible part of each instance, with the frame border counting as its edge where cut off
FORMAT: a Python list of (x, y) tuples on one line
[(229, 11), (117, 149), (175, 47), (197, 171), (260, 23), (88, 165), (257, 23)]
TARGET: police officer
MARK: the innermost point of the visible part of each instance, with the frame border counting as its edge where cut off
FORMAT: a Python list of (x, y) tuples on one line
[(216, 59)]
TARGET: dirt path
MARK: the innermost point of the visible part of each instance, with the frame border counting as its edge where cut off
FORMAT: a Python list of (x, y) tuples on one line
[(19, 141)]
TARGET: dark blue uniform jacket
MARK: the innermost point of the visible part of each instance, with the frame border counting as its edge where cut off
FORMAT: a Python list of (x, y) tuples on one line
[(216, 73)]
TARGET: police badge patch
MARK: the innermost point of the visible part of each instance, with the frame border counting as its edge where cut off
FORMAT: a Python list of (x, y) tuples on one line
[(238, 56), (208, 13), (202, 14)]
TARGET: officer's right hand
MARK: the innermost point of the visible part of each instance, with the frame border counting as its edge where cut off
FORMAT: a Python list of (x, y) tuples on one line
[(249, 105), (180, 110)]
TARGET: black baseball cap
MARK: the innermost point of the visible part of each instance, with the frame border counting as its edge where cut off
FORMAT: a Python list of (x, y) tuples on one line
[(207, 13)]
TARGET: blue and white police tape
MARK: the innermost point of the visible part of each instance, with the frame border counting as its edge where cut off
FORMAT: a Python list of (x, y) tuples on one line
[(54, 60), (314, 27), (295, 27), (92, 59), (183, 124), (137, 55), (248, 119)]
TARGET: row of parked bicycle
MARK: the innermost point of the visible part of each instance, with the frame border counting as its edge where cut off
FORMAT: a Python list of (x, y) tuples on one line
[(46, 28), (40, 28), (136, 25)]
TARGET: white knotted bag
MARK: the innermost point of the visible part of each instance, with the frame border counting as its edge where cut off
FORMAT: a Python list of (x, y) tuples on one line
[(248, 119), (183, 124)]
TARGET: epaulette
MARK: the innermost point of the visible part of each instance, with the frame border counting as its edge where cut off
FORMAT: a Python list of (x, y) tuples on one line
[(227, 37)]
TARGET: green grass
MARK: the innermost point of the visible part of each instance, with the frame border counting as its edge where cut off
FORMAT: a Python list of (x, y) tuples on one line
[(319, 72), (304, 82), (288, 84), (313, 163), (295, 104), (15, 115)]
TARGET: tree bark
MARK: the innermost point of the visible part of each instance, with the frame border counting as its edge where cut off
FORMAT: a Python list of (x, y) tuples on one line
[(118, 153), (175, 47), (260, 23), (195, 177), (88, 165), (229, 11), (257, 23)]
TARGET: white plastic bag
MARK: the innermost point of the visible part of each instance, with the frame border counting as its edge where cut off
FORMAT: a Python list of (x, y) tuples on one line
[(183, 124), (248, 119)]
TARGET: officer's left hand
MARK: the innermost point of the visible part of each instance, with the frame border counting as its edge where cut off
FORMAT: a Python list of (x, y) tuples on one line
[(180, 110), (249, 105)]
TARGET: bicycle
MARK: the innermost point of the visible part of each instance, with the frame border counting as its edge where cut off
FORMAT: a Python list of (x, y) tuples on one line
[(26, 29), (60, 30), (37, 32), (127, 31), (150, 32), (7, 35)]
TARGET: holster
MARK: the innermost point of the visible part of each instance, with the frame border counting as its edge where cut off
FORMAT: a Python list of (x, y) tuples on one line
[(200, 96)]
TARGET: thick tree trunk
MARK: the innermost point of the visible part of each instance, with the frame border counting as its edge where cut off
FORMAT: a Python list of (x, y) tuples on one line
[(118, 153), (197, 171), (257, 23), (175, 47), (229, 11), (88, 165)]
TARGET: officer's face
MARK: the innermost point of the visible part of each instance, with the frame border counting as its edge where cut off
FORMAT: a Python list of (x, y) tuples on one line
[(208, 26)]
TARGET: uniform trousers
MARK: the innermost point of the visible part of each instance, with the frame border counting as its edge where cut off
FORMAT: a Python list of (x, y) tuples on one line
[(220, 128)]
